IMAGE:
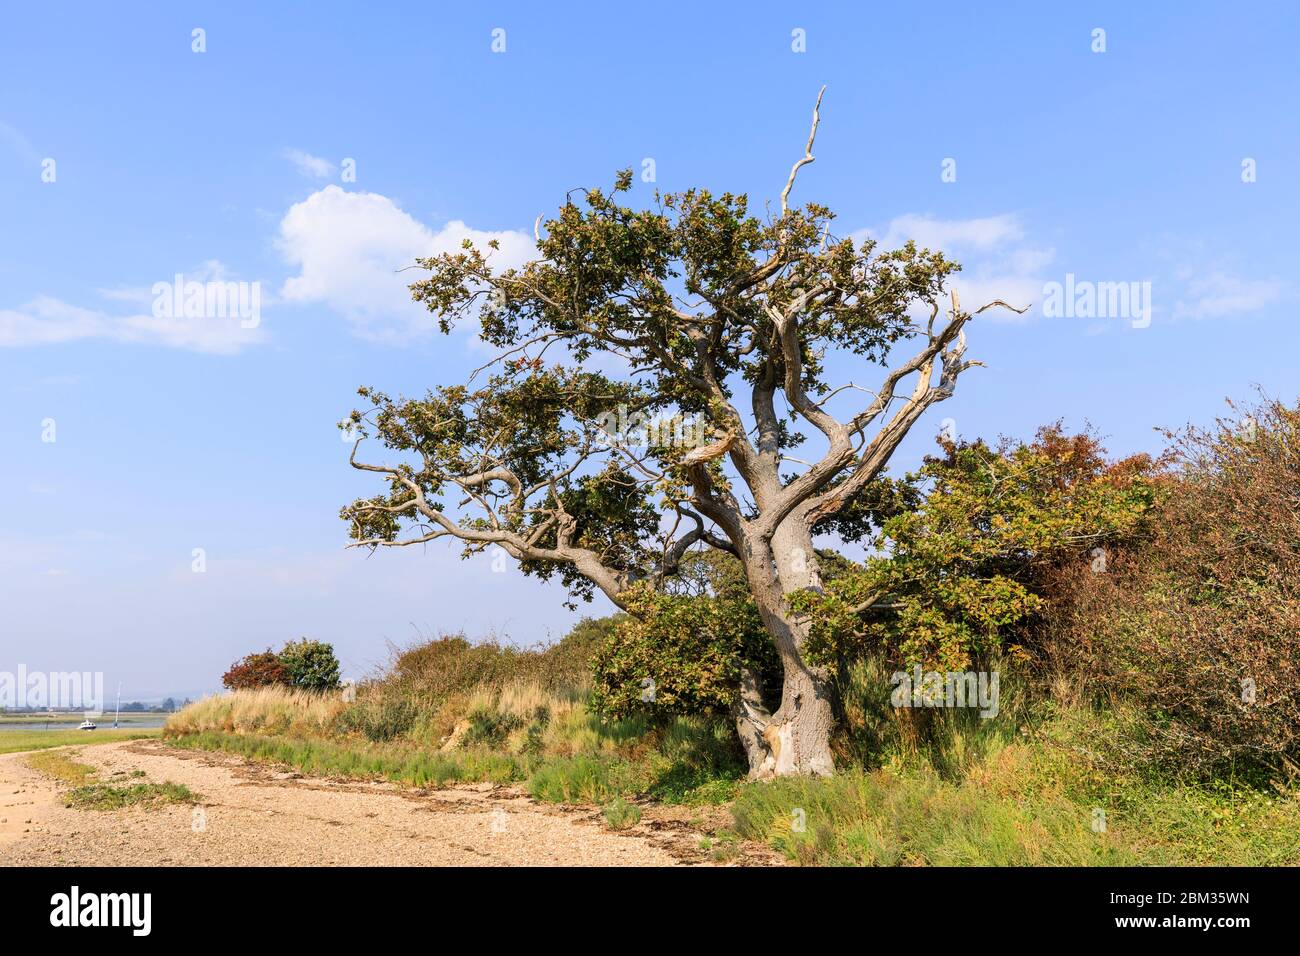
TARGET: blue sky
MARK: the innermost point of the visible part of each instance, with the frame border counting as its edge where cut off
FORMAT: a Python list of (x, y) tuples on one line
[(1118, 166)]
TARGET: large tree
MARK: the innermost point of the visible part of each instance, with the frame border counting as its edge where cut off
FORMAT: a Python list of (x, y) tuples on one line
[(721, 327)]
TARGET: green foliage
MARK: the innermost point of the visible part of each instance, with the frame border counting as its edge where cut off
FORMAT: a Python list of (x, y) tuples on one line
[(310, 665), (490, 728), (694, 760), (957, 573), (379, 716), (886, 819), (399, 761), (676, 654), (945, 740), (610, 279)]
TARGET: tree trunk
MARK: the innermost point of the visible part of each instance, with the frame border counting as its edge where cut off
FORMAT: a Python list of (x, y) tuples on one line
[(798, 735), (796, 739)]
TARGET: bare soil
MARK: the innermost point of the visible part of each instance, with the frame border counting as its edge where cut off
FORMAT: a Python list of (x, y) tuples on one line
[(252, 814)]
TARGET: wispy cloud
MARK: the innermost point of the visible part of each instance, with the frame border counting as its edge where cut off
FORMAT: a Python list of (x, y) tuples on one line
[(14, 141), (46, 320), (997, 261), (50, 321), (988, 233), (313, 167), (1217, 294)]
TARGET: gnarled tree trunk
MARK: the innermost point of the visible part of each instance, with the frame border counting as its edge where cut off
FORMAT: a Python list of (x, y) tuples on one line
[(796, 737)]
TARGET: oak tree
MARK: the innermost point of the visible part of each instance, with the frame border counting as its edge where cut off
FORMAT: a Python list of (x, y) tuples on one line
[(655, 368)]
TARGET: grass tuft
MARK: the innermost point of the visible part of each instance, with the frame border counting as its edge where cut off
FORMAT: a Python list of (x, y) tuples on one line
[(621, 815), (104, 796)]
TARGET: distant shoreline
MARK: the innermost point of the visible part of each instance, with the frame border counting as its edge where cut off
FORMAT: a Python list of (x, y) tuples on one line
[(76, 717)]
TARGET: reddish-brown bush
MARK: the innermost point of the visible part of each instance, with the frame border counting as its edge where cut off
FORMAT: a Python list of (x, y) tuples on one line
[(1201, 622), (256, 670)]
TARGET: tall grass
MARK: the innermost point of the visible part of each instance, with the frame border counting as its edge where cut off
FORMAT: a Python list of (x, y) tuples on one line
[(266, 710), (882, 818), (948, 740), (1055, 785)]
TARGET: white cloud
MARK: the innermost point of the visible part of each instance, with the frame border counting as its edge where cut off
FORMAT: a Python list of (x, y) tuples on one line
[(348, 248), (991, 232), (996, 263), (313, 167), (1218, 294), (49, 321)]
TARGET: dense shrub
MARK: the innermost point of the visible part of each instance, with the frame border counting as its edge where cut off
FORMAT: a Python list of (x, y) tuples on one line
[(307, 665), (959, 575), (675, 655), (256, 670), (311, 665), (1201, 623)]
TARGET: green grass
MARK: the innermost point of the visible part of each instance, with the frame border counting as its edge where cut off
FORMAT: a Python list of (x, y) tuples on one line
[(14, 741), (882, 818), (103, 796), (88, 793), (569, 758), (60, 765), (399, 762), (582, 779)]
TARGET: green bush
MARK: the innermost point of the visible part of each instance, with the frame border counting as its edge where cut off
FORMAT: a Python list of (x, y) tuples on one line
[(310, 665), (677, 654), (621, 815), (490, 728), (379, 716)]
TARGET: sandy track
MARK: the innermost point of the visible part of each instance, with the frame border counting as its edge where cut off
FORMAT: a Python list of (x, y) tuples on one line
[(255, 815)]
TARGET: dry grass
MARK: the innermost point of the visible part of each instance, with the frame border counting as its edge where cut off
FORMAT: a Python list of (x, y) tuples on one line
[(266, 710), (526, 699)]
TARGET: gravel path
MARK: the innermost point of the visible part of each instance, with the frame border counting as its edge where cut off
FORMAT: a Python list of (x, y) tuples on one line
[(251, 814)]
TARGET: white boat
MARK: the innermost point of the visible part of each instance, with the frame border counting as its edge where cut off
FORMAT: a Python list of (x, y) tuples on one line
[(87, 724)]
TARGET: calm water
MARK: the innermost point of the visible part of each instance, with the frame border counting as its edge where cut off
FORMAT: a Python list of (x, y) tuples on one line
[(143, 722)]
